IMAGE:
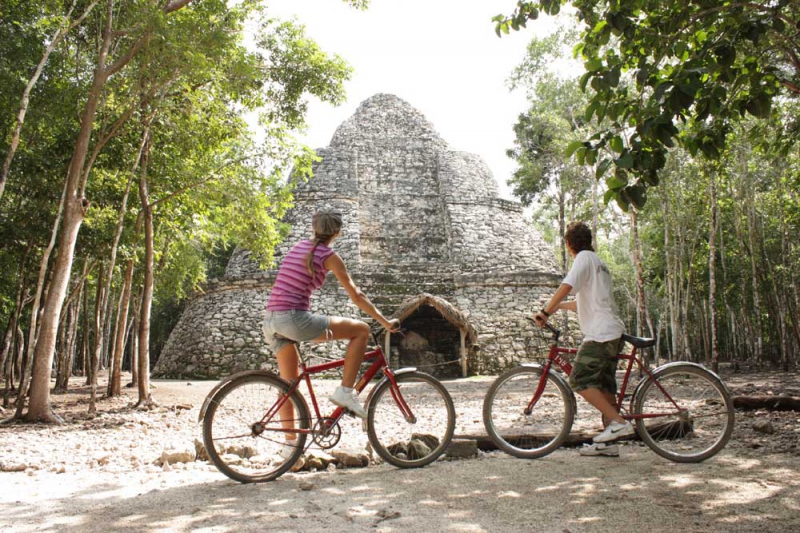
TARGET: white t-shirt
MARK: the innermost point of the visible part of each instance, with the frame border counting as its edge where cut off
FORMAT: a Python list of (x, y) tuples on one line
[(591, 281)]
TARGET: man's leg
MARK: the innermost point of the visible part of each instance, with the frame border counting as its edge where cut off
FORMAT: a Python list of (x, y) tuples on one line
[(604, 402)]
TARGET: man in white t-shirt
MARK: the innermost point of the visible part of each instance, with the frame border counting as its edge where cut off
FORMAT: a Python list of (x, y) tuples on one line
[(594, 372)]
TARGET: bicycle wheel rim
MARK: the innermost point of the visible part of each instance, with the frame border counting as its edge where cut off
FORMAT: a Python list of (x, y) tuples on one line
[(696, 431), (236, 448), (524, 435), (411, 444)]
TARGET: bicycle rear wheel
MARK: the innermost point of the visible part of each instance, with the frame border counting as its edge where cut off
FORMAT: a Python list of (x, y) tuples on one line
[(421, 440), (240, 442), (528, 435), (700, 425)]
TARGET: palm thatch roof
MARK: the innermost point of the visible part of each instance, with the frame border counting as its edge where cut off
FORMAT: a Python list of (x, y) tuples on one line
[(445, 308)]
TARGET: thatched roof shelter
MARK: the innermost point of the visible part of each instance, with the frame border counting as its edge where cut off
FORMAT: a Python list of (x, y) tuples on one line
[(445, 308)]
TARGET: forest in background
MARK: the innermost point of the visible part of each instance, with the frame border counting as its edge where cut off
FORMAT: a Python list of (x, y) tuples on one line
[(686, 163), (130, 171)]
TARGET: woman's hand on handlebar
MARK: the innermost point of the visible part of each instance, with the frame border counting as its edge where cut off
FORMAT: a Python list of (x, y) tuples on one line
[(540, 319), (393, 325)]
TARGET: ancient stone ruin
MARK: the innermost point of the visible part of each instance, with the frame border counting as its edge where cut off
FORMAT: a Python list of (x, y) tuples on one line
[(425, 237)]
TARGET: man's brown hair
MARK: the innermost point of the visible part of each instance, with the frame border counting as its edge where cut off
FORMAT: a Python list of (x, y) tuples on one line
[(579, 237)]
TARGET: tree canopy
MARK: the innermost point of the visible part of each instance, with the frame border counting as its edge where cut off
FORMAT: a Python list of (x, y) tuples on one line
[(685, 72)]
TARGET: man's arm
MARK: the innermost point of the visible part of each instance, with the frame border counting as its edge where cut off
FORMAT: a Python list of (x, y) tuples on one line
[(569, 306), (554, 304)]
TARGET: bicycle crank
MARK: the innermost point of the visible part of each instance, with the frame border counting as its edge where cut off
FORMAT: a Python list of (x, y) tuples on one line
[(326, 433)]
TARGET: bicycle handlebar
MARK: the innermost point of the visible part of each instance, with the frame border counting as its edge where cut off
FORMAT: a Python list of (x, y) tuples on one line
[(556, 333)]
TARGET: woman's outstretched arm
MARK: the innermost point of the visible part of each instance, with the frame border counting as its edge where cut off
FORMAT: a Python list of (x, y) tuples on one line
[(335, 264)]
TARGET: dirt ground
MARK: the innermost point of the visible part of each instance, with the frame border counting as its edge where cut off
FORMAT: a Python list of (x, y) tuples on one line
[(98, 474)]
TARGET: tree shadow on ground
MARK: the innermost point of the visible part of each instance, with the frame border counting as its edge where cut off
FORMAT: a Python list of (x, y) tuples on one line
[(563, 492)]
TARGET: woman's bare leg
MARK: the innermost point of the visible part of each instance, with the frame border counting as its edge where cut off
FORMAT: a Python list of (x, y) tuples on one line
[(357, 332), (287, 365)]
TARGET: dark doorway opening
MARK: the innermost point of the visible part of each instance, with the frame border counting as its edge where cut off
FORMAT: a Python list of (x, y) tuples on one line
[(430, 343)]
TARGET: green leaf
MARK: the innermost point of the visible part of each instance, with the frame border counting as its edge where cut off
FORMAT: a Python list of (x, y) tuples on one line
[(616, 144), (602, 168), (572, 147), (593, 64), (625, 161)]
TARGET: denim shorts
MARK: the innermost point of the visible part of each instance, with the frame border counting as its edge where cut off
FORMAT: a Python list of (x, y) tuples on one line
[(282, 328)]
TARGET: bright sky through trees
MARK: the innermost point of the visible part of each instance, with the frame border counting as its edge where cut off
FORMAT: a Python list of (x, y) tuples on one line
[(441, 56)]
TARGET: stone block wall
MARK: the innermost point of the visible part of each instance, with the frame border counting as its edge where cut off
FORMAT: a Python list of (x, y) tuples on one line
[(419, 217)]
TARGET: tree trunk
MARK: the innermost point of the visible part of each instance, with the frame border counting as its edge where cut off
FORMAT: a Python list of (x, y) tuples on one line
[(712, 281), (98, 342), (115, 381), (13, 318), (562, 229), (135, 340), (642, 312), (145, 398), (75, 208)]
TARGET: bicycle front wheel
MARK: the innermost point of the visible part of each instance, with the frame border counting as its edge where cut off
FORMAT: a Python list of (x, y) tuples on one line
[(241, 442), (415, 438), (524, 433), (688, 418)]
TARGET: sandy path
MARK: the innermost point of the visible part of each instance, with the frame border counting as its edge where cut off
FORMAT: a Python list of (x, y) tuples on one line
[(560, 493), (108, 481)]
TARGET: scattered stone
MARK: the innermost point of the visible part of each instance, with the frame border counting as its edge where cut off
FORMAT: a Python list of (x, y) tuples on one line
[(200, 450), (245, 452), (351, 458), (462, 449), (385, 514), (317, 459), (763, 426), (188, 384), (306, 486), (103, 461), (165, 466), (331, 468), (431, 441), (10, 467), (178, 455), (417, 449)]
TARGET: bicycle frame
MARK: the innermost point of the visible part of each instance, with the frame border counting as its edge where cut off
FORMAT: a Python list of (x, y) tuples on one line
[(379, 364), (555, 357)]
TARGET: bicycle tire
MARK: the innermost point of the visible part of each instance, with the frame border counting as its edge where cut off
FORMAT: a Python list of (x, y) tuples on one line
[(385, 422), (230, 410), (707, 422), (534, 435)]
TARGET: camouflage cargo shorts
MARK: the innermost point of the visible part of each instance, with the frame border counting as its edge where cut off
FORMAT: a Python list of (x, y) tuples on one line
[(595, 367)]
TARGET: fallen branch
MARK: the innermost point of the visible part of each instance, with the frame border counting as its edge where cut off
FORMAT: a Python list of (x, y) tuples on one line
[(769, 402)]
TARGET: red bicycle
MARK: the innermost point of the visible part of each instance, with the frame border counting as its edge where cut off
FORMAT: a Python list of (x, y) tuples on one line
[(682, 411), (410, 419)]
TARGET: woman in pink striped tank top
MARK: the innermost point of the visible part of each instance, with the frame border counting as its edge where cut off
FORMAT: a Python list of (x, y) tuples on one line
[(289, 319)]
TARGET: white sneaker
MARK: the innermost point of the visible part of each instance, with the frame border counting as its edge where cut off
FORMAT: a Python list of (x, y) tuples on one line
[(595, 450), (614, 431), (349, 401)]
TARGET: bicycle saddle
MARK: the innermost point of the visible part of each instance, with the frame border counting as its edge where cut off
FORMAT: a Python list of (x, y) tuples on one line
[(639, 342)]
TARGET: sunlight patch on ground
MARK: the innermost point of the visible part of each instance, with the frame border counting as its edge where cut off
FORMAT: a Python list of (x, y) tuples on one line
[(509, 494), (433, 503), (737, 492), (465, 527), (679, 481)]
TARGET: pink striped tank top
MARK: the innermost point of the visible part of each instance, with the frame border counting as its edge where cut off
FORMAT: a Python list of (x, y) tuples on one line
[(294, 285)]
